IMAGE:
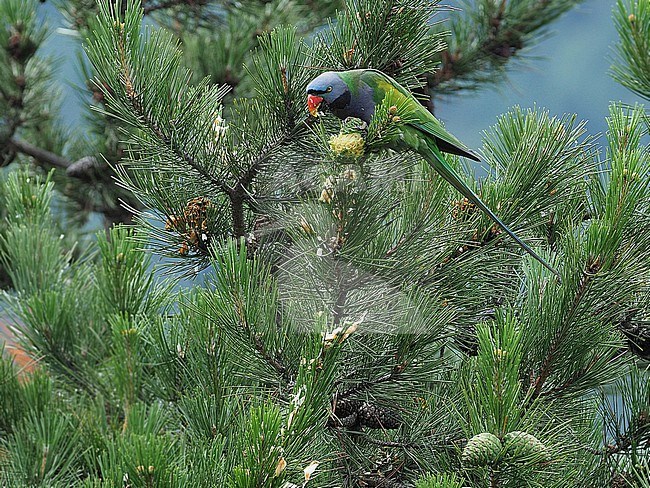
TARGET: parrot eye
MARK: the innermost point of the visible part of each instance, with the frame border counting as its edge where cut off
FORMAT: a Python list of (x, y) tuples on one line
[(329, 89)]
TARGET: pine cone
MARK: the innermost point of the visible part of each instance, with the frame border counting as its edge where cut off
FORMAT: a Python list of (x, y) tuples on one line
[(481, 450), (523, 445), (357, 413), (345, 408), (375, 417), (192, 226), (349, 422), (87, 168), (345, 414)]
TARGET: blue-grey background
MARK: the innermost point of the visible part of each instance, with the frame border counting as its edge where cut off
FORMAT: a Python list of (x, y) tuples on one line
[(566, 72)]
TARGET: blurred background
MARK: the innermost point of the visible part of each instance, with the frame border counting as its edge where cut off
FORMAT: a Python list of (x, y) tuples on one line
[(566, 72)]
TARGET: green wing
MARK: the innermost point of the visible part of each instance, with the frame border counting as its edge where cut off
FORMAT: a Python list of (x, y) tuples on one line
[(422, 119), (428, 137)]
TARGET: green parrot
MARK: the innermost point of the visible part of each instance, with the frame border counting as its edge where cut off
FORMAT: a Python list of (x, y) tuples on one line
[(356, 93)]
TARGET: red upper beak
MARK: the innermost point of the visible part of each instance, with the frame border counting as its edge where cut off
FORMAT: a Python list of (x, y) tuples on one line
[(313, 102)]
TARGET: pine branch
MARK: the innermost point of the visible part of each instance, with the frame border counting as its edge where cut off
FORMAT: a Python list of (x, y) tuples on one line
[(612, 275), (625, 417), (23, 78), (486, 36), (388, 35), (548, 365), (143, 115), (43, 156), (633, 437), (247, 304), (16, 102), (182, 155), (273, 361), (631, 66), (153, 5), (85, 170), (573, 379), (240, 192), (369, 384)]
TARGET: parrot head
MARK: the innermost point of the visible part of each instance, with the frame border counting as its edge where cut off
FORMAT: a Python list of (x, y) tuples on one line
[(329, 90)]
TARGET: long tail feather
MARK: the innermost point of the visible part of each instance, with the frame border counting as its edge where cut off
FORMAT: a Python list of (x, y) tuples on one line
[(437, 160)]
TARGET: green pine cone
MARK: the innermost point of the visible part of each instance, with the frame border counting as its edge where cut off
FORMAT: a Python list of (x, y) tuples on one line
[(520, 445), (481, 450)]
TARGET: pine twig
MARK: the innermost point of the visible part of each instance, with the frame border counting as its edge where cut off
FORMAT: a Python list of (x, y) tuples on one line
[(503, 41), (240, 192), (574, 377), (149, 7), (259, 345), (547, 366), (494, 479), (84, 170), (638, 431), (366, 385), (275, 363), (42, 156), (142, 114)]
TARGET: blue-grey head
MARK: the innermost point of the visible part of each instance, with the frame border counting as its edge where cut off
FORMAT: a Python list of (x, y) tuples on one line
[(328, 90), (344, 93)]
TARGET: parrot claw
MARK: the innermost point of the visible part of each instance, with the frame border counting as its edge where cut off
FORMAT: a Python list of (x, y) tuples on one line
[(358, 123)]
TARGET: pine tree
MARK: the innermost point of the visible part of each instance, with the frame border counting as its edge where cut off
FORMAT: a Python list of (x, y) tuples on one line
[(350, 321)]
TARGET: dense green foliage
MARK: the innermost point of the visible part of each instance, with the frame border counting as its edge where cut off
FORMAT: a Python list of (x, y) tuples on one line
[(349, 321)]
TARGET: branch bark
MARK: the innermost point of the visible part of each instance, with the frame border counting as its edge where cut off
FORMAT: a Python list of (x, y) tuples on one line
[(149, 7), (84, 171), (488, 53), (41, 155)]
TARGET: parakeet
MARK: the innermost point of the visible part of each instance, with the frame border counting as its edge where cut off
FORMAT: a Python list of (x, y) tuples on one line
[(356, 93)]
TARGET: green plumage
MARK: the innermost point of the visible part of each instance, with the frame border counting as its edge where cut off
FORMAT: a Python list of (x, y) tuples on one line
[(420, 131)]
